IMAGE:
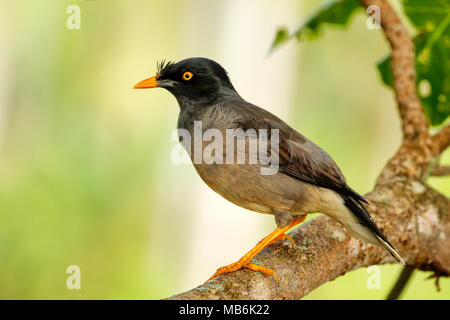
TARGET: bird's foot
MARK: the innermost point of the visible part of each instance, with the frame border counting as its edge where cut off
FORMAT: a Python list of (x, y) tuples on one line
[(277, 235), (285, 236), (238, 265)]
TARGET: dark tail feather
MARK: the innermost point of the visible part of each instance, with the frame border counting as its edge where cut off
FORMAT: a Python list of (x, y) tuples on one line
[(355, 206)]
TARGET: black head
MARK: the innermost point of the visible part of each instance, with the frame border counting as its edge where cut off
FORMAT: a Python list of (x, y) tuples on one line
[(193, 81)]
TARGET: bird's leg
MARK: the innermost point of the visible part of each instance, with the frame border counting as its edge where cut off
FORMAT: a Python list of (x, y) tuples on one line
[(244, 262), (285, 236), (284, 218)]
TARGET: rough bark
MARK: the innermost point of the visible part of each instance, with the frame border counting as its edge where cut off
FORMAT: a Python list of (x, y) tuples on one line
[(441, 140), (415, 218), (440, 171)]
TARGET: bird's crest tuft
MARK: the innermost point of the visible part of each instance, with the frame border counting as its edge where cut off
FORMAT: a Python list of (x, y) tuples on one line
[(162, 65)]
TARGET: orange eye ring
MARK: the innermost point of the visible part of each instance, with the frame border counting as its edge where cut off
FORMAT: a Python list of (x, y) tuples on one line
[(187, 75)]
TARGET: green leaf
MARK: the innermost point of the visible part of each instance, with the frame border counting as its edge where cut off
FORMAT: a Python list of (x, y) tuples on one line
[(335, 12), (426, 14), (281, 36), (430, 17), (432, 46), (384, 68)]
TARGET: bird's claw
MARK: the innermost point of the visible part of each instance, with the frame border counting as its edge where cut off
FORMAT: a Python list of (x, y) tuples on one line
[(236, 266)]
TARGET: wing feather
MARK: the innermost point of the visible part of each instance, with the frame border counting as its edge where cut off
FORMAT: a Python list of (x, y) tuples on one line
[(298, 156)]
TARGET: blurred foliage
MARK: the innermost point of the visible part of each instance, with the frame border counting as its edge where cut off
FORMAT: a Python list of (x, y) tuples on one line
[(77, 175), (85, 171), (432, 44), (335, 12), (281, 36)]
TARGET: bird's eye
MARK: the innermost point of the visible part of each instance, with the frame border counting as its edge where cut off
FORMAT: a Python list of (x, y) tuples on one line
[(187, 75)]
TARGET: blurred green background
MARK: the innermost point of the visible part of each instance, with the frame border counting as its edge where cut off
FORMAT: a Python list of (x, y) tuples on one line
[(85, 161)]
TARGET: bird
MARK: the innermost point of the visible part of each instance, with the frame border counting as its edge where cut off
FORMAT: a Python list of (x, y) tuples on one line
[(306, 180)]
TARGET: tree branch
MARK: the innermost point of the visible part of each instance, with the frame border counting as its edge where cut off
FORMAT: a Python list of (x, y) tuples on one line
[(441, 140), (414, 154), (401, 282), (441, 171), (414, 120), (415, 217)]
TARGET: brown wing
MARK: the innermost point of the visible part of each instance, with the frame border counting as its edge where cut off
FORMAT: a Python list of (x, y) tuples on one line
[(304, 160), (298, 156)]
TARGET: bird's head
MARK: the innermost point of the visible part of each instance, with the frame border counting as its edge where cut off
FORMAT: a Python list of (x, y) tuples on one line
[(192, 81)]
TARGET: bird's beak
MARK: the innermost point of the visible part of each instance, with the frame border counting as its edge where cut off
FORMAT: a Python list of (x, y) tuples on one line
[(147, 83)]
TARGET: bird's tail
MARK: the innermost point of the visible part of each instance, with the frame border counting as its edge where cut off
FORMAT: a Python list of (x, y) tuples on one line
[(366, 228)]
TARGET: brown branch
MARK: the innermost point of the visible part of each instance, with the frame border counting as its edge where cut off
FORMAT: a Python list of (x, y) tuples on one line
[(440, 171), (414, 120), (415, 217), (401, 283), (441, 140), (413, 156)]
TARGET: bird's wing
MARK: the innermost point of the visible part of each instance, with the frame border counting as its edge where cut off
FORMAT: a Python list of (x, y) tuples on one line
[(298, 156), (304, 160)]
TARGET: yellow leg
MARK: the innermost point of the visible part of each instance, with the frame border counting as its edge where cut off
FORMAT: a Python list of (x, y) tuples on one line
[(244, 262)]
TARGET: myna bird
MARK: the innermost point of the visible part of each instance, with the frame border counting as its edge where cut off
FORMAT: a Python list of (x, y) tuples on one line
[(307, 179)]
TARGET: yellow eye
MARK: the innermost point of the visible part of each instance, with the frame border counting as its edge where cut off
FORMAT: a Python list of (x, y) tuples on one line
[(187, 75)]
